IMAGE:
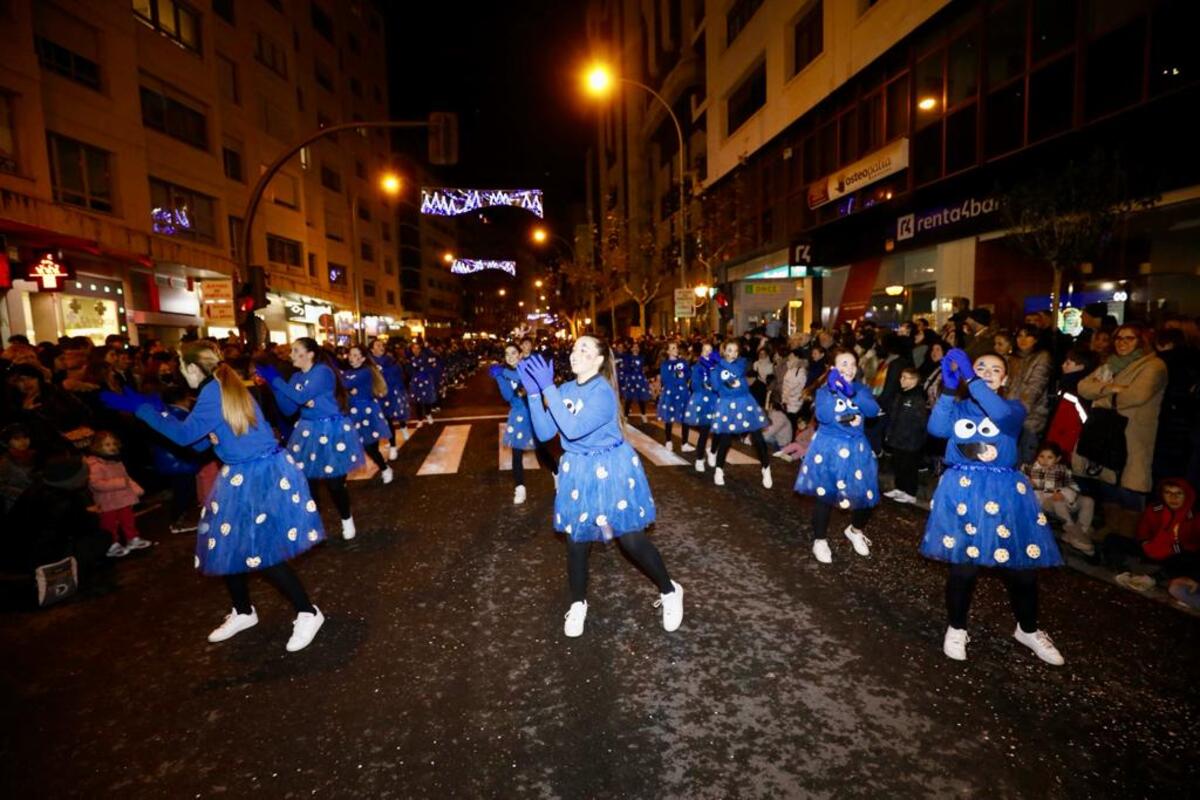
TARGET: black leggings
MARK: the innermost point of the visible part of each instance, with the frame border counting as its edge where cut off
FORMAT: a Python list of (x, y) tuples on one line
[(822, 511), (1022, 594), (337, 490), (374, 454), (545, 458), (702, 442), (639, 549), (641, 405), (906, 464), (283, 578), (724, 440), (671, 425), (424, 410)]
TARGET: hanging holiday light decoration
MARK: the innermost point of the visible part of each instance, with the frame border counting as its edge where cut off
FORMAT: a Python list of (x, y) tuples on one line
[(467, 266), (444, 202)]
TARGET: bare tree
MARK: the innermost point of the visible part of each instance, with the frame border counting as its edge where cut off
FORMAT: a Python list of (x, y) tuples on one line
[(645, 294)]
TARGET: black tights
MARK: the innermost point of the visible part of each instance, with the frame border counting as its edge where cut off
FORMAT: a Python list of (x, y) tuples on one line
[(686, 431), (545, 458), (725, 440), (281, 576), (374, 454), (820, 518), (639, 549), (703, 440), (1022, 594), (337, 490), (641, 405)]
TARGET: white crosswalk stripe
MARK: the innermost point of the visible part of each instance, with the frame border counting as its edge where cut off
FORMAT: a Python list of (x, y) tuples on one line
[(654, 452), (529, 459), (733, 457), (447, 452)]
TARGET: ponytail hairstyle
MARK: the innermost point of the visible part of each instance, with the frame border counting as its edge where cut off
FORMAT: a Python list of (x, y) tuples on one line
[(237, 406), (322, 356), (608, 371), (378, 384)]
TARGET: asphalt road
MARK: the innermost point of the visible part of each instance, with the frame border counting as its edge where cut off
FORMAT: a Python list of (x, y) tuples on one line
[(442, 670)]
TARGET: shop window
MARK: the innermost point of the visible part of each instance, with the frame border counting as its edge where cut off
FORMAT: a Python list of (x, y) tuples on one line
[(8, 135), (173, 19), (166, 110), (962, 72), (181, 212), (66, 46), (961, 139), (897, 108), (366, 250), (322, 23), (368, 287), (224, 10), (927, 154), (1006, 42), (281, 250), (337, 274), (331, 179), (1174, 57), (231, 158), (929, 100), (1114, 70), (738, 17), (827, 141), (1005, 119), (808, 36), (81, 175), (271, 54), (747, 98), (870, 123), (1051, 98), (1053, 24), (227, 80)]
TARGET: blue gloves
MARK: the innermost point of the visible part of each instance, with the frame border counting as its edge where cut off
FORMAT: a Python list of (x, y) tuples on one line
[(129, 401), (710, 361), (267, 372), (839, 385), (536, 371), (495, 370), (956, 368)]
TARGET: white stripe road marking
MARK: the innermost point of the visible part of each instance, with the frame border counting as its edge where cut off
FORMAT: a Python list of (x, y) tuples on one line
[(447, 452), (732, 457), (529, 459), (652, 450), (462, 419)]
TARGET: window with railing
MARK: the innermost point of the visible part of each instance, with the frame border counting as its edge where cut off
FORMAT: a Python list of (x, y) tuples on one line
[(80, 174), (177, 21), (182, 212)]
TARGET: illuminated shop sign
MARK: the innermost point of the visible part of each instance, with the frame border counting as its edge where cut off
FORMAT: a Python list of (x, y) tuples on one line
[(918, 223), (878, 165), (452, 202), (49, 272)]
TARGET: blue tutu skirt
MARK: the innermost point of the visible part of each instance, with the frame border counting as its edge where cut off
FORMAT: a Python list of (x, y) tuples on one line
[(672, 405), (326, 448), (424, 390), (700, 408), (739, 415), (258, 514), (839, 471), (368, 418), (518, 432), (988, 516), (636, 387), (602, 495), (395, 405)]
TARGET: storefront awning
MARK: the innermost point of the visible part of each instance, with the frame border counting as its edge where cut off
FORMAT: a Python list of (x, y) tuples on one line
[(36, 237)]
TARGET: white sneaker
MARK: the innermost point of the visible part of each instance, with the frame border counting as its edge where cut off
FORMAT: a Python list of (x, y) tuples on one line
[(904, 497), (429, 419), (712, 458), (138, 543), (404, 432), (304, 628), (766, 473), (643, 419), (117, 550), (670, 447), (234, 624), (518, 495), (688, 447), (719, 476), (862, 545), (822, 552), (393, 451), (893, 494), (699, 465), (348, 529), (387, 475), (672, 608), (1039, 642), (954, 644), (575, 616)]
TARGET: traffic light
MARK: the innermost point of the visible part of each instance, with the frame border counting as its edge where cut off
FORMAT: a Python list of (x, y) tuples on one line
[(443, 138), (251, 297), (257, 283)]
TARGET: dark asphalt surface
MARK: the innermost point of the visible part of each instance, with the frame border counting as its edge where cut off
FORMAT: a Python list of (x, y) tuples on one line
[(442, 670)]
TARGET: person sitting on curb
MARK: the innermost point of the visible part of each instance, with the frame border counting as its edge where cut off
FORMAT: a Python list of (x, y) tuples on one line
[(1168, 536), (1058, 493)]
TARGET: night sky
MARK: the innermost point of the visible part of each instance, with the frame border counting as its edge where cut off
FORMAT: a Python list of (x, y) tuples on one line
[(511, 71)]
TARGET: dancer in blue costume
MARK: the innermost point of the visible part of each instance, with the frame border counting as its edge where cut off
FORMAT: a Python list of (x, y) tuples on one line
[(367, 387), (324, 442), (636, 386), (395, 406), (839, 468), (518, 430), (602, 490), (702, 403), (736, 413), (423, 366), (673, 400), (984, 512), (259, 513)]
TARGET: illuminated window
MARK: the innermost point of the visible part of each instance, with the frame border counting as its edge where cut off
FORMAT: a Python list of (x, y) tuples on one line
[(173, 19), (181, 212)]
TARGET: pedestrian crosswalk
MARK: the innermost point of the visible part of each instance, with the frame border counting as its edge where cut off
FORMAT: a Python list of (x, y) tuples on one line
[(466, 445), (734, 457)]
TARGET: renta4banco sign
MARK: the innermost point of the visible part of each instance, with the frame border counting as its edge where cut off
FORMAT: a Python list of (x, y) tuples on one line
[(917, 223)]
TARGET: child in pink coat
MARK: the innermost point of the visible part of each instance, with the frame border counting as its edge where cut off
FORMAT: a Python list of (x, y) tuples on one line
[(114, 493)]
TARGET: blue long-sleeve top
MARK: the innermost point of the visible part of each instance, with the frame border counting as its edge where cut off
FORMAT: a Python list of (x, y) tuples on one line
[(970, 425), (674, 374), (312, 392), (393, 373), (844, 416), (206, 418), (509, 382), (360, 379), (632, 364), (583, 415), (425, 365), (701, 378), (729, 378)]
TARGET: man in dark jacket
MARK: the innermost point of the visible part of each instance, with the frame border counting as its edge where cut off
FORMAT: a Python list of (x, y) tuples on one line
[(906, 435)]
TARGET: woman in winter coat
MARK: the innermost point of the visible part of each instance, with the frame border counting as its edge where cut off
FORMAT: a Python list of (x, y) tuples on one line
[(1032, 369)]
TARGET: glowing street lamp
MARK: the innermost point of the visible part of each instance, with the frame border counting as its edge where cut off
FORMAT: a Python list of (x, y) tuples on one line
[(503, 292), (598, 80), (928, 103), (520, 304), (448, 257), (539, 235), (538, 283), (701, 291), (390, 183)]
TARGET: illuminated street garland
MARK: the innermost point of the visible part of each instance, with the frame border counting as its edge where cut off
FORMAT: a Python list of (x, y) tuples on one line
[(466, 266), (446, 202)]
